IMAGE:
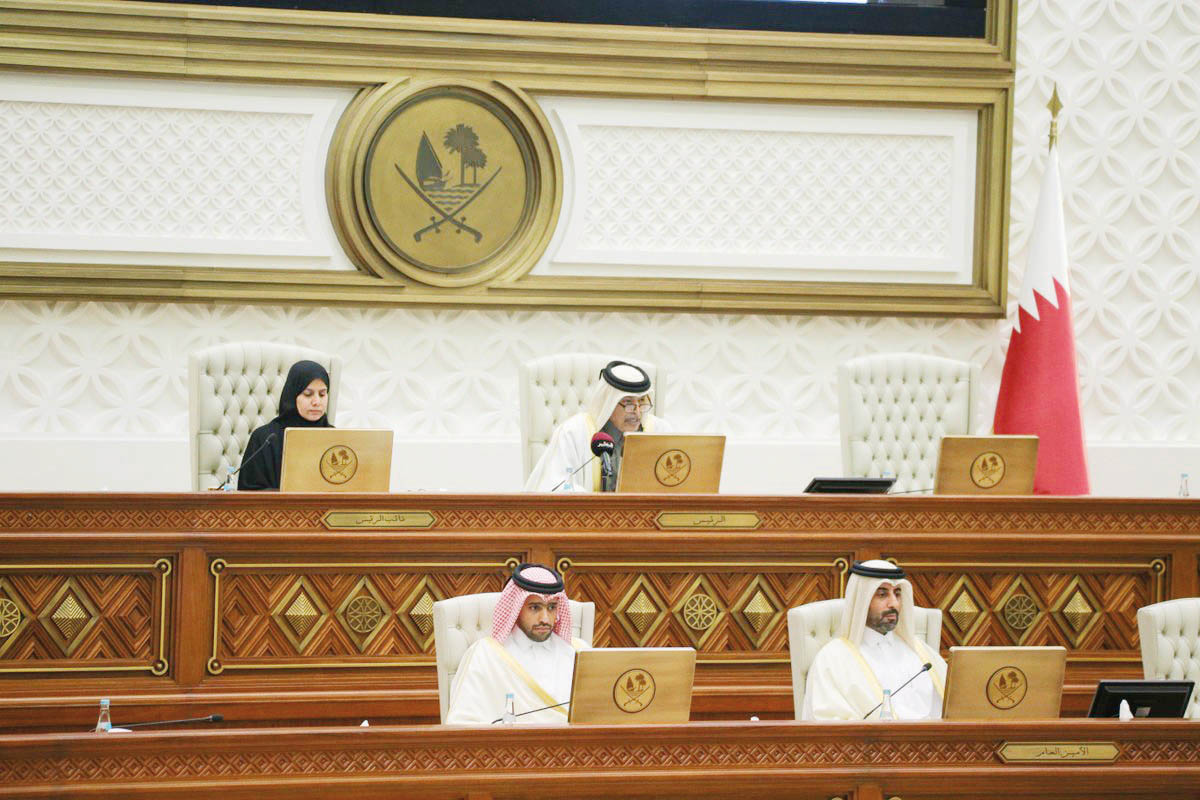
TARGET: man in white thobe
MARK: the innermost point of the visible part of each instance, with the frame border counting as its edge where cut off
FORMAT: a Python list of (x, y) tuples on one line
[(619, 403), (529, 653), (875, 649)]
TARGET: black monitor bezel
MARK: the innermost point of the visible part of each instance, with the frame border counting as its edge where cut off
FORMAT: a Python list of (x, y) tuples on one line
[(1110, 693)]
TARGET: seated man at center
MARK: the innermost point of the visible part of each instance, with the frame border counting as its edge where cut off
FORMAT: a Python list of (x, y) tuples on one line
[(875, 648), (619, 403), (529, 653)]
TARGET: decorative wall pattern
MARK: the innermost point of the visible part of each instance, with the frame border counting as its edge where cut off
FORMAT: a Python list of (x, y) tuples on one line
[(96, 166), (1130, 145), (755, 190)]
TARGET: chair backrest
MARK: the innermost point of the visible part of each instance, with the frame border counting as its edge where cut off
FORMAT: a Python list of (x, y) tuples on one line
[(233, 389), (1170, 637), (812, 625), (553, 388), (894, 409), (459, 622)]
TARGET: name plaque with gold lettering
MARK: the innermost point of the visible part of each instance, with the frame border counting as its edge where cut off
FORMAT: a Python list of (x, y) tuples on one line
[(1074, 752), (707, 520), (378, 520)]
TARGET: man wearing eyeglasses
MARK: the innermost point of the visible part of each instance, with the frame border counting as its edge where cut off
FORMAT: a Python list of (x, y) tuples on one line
[(620, 402)]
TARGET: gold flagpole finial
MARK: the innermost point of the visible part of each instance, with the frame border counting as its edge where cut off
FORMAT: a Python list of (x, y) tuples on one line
[(1055, 106)]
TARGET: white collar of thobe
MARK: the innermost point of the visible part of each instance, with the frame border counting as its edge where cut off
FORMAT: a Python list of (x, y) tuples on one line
[(874, 638), (529, 646)]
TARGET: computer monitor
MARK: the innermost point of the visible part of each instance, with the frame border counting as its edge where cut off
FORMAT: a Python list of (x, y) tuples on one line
[(849, 486), (1164, 699)]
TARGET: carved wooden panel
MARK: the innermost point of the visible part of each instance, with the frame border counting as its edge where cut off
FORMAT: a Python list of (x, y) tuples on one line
[(329, 614), (84, 617), (1087, 608), (723, 610), (710, 760)]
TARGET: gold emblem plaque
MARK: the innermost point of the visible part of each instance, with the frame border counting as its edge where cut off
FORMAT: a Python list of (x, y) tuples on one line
[(987, 469), (672, 467), (338, 464), (633, 691), (448, 183), (1007, 687)]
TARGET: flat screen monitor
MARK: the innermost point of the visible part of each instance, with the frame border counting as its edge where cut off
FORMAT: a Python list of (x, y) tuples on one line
[(849, 486), (1164, 699)]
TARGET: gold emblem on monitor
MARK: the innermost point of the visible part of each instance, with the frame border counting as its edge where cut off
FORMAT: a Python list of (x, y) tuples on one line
[(338, 464), (1007, 687), (673, 468), (987, 469), (445, 182), (634, 690)]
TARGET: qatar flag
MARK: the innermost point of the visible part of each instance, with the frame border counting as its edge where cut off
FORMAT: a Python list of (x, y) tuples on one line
[(1039, 389)]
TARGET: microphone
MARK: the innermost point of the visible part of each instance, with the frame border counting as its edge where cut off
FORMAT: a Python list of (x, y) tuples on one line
[(603, 446), (250, 458), (543, 708), (209, 718), (928, 665)]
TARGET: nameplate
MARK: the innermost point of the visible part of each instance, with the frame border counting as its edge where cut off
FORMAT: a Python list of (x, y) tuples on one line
[(1075, 752), (378, 520), (707, 520)]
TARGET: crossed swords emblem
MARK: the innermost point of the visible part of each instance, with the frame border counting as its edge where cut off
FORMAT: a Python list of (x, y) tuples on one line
[(435, 224)]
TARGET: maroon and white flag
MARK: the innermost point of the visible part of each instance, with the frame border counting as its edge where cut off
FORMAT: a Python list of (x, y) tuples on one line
[(1039, 389)]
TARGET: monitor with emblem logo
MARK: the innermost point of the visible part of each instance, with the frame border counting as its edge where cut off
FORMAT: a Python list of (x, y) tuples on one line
[(633, 685), (1004, 683), (671, 462), (986, 465), (336, 460)]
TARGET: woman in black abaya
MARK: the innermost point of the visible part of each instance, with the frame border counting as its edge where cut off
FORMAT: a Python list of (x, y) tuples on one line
[(302, 404)]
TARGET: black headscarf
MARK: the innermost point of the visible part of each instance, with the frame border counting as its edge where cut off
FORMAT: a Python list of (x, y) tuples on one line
[(261, 470)]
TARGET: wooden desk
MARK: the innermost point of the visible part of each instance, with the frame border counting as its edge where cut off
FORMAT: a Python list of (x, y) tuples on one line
[(862, 761), (316, 608)]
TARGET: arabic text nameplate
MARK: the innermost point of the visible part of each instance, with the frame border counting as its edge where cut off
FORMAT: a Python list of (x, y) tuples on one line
[(1075, 752), (378, 520), (707, 520)]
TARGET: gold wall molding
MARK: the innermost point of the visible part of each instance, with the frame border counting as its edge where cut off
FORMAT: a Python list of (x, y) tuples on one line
[(107, 37)]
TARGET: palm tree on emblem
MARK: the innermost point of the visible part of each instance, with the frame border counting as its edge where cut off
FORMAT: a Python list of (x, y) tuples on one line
[(463, 140)]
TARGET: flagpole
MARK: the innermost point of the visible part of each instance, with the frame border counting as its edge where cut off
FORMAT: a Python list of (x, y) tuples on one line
[(1055, 105)]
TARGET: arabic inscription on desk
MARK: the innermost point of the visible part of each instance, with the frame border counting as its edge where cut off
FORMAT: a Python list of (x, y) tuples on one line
[(1075, 752), (378, 520)]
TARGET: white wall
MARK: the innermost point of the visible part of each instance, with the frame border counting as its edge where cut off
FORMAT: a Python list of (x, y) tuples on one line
[(92, 395)]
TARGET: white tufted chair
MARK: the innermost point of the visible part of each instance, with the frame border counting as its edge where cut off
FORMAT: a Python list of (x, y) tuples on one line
[(459, 622), (1170, 636), (553, 388), (811, 625), (233, 389), (894, 410)]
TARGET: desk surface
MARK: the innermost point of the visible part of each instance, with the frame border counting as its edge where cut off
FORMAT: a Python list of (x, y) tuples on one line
[(1065, 759), (317, 608)]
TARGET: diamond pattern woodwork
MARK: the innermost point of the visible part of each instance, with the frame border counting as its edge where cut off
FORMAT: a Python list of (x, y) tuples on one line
[(727, 612), (330, 614), (1088, 610), (79, 618)]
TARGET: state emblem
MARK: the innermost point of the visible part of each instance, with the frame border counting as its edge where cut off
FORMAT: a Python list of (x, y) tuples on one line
[(446, 183)]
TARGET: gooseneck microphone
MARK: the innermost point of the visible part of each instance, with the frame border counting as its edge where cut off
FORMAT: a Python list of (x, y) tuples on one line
[(598, 440), (209, 718), (543, 708), (924, 668), (250, 458), (603, 447)]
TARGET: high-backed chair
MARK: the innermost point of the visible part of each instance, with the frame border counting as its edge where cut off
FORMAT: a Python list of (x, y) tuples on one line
[(1170, 637), (553, 388), (233, 389), (811, 625), (458, 622), (894, 410)]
